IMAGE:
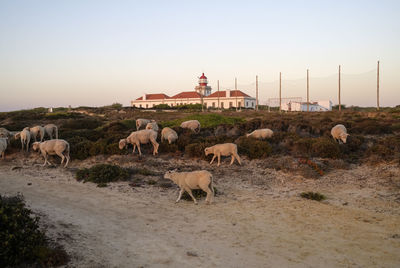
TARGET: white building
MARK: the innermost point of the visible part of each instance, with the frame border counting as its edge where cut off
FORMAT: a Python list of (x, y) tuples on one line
[(318, 106), (222, 99)]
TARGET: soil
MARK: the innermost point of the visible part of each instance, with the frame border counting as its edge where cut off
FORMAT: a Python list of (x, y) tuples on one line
[(258, 218)]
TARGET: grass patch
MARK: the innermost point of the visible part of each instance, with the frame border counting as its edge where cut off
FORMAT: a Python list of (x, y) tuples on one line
[(22, 243), (313, 196), (102, 174)]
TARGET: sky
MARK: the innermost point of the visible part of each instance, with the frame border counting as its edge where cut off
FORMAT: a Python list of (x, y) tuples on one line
[(95, 53)]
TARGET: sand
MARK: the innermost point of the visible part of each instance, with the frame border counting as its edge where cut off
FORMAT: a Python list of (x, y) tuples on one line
[(258, 220)]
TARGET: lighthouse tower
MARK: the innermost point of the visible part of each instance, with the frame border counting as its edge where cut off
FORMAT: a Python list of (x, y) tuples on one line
[(202, 88)]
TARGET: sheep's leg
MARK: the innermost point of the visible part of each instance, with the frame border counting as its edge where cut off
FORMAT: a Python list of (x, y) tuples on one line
[(219, 159), (209, 194), (155, 145), (45, 159), (134, 148), (233, 159), (212, 160), (23, 144), (238, 158), (191, 195), (2, 155), (138, 147), (66, 164), (180, 195), (62, 157)]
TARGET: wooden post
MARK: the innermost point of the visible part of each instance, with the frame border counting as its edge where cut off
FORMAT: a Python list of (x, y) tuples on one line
[(280, 91), (236, 94), (308, 95), (256, 92), (377, 88), (218, 95), (340, 104)]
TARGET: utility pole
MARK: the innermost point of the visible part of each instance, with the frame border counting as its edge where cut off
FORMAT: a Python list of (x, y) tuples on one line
[(256, 92), (377, 88), (308, 95), (218, 95), (280, 91), (236, 94), (340, 104)]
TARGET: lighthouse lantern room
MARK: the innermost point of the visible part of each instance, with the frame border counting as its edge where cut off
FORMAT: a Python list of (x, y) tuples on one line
[(202, 88)]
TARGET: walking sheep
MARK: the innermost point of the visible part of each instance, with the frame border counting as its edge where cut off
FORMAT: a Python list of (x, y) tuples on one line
[(141, 137), (152, 125), (187, 181), (51, 129), (35, 131), (339, 133), (3, 146), (194, 125), (225, 149), (261, 134), (25, 136), (169, 134), (142, 123), (53, 147)]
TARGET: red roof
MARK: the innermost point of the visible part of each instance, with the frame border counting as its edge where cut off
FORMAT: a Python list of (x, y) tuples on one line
[(187, 95), (203, 76), (222, 94), (159, 96)]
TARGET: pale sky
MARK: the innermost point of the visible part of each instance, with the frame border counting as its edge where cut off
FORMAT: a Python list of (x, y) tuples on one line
[(94, 53)]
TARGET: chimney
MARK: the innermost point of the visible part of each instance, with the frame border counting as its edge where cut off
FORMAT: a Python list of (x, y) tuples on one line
[(144, 97)]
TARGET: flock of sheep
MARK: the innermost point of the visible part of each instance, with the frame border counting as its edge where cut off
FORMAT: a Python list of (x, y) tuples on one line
[(187, 181)]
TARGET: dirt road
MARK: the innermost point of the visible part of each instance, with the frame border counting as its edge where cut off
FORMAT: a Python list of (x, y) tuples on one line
[(121, 226)]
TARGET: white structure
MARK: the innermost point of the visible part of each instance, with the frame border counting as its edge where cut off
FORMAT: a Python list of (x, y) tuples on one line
[(226, 99), (318, 106)]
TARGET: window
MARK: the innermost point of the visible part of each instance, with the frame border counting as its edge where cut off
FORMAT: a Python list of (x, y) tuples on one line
[(252, 104), (230, 104), (205, 104), (222, 104), (239, 104), (213, 104), (247, 103), (140, 106), (147, 106)]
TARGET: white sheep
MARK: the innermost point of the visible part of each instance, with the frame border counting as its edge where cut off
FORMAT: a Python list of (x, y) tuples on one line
[(35, 131), (169, 134), (25, 136), (225, 149), (339, 133), (152, 125), (194, 125), (51, 129), (142, 123), (4, 133), (188, 181), (53, 147), (3, 146), (261, 134), (141, 137)]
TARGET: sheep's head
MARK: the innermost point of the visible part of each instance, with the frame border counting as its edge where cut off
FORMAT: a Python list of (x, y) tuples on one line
[(35, 145), (344, 136), (247, 135), (122, 144), (149, 126), (207, 151), (167, 175)]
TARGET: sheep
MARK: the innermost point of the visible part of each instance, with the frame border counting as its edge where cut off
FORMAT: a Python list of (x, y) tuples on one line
[(225, 149), (187, 181), (141, 137), (194, 125), (169, 134), (3, 146), (261, 134), (4, 133), (37, 130), (53, 147), (152, 125), (25, 136), (51, 129), (142, 123), (339, 133)]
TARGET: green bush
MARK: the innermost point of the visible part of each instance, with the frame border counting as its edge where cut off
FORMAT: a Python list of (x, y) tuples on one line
[(325, 147), (22, 243), (102, 173), (196, 149), (253, 148), (313, 196)]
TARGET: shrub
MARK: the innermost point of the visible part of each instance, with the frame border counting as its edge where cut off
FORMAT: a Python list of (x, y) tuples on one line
[(313, 196), (102, 173), (253, 148), (303, 146), (84, 123), (325, 147), (196, 149), (22, 243), (206, 120), (162, 106)]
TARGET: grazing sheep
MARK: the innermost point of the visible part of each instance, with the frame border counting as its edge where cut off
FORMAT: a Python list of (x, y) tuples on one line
[(53, 147), (51, 129), (3, 146), (142, 123), (25, 136), (339, 133), (225, 149), (187, 181), (4, 133), (37, 130), (152, 125), (141, 137), (194, 125), (261, 134), (169, 134)]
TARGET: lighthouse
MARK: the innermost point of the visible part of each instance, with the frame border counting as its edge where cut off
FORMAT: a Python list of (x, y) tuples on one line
[(202, 88)]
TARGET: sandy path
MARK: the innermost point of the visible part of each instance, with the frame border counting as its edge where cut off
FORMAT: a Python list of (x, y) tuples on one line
[(249, 227)]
